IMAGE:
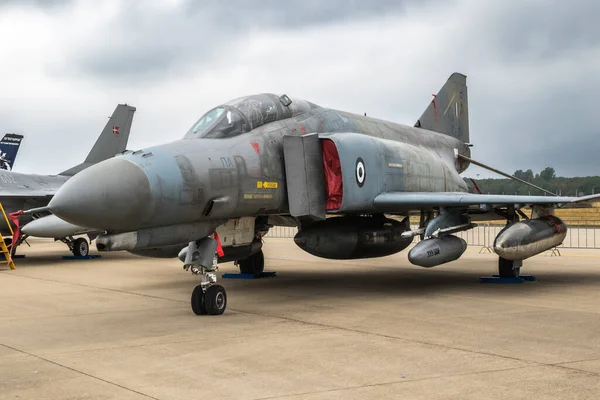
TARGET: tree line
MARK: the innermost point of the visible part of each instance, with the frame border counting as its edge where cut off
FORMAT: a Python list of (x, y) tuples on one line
[(546, 179)]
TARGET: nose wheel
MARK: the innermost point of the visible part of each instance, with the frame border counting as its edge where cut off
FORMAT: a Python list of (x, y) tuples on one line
[(201, 258), (209, 301)]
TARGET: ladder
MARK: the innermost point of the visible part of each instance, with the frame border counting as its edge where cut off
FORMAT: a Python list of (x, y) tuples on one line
[(3, 247)]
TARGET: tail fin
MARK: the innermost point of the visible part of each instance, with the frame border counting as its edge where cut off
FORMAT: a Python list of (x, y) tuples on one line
[(112, 140), (448, 112), (9, 147)]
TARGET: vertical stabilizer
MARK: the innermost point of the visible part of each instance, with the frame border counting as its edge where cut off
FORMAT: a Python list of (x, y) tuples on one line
[(9, 147), (448, 112), (114, 136), (112, 140)]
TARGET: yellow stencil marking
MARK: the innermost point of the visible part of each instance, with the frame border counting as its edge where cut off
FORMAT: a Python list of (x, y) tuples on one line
[(257, 196), (267, 185)]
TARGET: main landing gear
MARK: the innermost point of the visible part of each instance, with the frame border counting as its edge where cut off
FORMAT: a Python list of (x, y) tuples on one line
[(79, 247), (208, 297), (255, 264), (509, 268)]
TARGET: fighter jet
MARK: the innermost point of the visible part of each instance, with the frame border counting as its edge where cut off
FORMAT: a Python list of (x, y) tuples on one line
[(266, 160), (9, 147), (29, 191)]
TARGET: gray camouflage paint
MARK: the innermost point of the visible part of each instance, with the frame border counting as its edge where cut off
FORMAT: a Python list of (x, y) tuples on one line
[(200, 179), (231, 164)]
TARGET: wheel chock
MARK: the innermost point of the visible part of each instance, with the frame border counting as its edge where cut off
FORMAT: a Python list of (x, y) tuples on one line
[(249, 276), (498, 279), (88, 257)]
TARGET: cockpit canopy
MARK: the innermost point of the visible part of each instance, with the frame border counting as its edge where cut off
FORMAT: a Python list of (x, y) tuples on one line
[(245, 114)]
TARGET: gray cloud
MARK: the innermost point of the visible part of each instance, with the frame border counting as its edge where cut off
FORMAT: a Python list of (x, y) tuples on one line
[(140, 45), (543, 30), (532, 67), (43, 4), (238, 14)]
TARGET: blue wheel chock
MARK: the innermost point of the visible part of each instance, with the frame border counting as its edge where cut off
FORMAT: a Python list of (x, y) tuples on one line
[(248, 276), (497, 279), (88, 257)]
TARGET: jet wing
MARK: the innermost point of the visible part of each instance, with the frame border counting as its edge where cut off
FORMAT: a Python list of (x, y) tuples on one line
[(396, 201)]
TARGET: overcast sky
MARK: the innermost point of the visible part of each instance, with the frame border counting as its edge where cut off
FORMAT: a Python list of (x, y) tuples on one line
[(532, 66)]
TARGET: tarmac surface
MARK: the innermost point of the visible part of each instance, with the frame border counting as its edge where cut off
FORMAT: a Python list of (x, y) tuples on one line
[(121, 327)]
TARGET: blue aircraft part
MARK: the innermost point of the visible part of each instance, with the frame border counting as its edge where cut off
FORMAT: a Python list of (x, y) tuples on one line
[(9, 147), (88, 257), (498, 279), (249, 276)]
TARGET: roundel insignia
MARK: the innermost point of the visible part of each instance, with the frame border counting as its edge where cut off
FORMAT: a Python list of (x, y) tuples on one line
[(360, 172)]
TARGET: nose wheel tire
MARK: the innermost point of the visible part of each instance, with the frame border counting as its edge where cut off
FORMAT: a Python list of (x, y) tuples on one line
[(213, 301), (255, 264), (198, 306), (81, 247)]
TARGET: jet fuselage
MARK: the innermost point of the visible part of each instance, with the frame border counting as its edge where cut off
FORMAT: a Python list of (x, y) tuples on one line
[(196, 179)]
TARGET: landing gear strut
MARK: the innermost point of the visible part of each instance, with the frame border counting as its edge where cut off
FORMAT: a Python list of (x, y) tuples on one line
[(79, 247), (255, 264), (208, 297), (509, 268)]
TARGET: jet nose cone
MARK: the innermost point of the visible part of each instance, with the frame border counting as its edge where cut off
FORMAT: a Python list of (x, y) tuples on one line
[(112, 195)]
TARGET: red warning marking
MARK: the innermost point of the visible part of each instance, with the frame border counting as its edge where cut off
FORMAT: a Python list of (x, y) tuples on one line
[(220, 251), (434, 101), (302, 129), (256, 146), (551, 219)]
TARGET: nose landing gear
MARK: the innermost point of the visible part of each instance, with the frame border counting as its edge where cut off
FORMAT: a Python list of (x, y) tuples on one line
[(208, 298)]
